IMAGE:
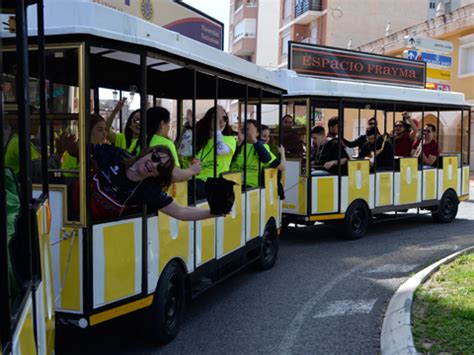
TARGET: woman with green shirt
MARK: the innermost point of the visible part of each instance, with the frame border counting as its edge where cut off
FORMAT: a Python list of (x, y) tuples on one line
[(225, 144), (129, 140), (157, 128), (254, 155)]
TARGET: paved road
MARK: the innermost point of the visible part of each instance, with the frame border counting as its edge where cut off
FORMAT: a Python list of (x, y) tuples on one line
[(324, 295)]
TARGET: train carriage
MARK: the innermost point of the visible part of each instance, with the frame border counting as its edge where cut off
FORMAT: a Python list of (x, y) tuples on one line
[(358, 194), (103, 269), (27, 321)]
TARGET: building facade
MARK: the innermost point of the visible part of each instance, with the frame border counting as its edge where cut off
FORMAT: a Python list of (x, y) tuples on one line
[(456, 27)]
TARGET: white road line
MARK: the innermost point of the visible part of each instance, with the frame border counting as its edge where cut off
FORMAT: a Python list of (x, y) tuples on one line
[(392, 268), (347, 308), (293, 329), (439, 247)]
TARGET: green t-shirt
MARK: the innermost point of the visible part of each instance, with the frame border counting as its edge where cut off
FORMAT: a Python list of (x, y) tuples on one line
[(206, 156), (159, 140), (12, 154), (252, 163), (121, 142), (69, 162)]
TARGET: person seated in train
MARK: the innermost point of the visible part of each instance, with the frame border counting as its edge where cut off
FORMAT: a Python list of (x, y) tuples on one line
[(121, 183), (378, 149), (130, 138), (291, 139), (426, 149), (278, 151), (333, 127), (226, 145), (325, 153), (12, 150), (362, 139), (253, 154), (404, 135), (157, 128), (70, 157)]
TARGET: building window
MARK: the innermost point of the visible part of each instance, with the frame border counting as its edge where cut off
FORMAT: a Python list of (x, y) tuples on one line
[(432, 5), (245, 28), (284, 46), (466, 56), (286, 9)]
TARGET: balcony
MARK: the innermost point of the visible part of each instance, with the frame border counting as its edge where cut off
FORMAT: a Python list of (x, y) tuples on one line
[(306, 11), (244, 46), (303, 6)]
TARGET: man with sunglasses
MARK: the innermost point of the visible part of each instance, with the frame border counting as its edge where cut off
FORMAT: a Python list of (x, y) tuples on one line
[(428, 154), (404, 135)]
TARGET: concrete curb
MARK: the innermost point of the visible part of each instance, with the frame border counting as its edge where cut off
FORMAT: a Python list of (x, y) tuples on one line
[(396, 336)]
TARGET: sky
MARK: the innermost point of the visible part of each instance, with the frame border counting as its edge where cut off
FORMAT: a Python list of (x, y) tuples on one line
[(219, 9)]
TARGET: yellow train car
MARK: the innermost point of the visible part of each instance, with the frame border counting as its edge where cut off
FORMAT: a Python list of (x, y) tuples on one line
[(105, 268), (358, 192), (27, 316)]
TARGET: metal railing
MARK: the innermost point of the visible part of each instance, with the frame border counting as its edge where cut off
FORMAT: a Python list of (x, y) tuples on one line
[(307, 5)]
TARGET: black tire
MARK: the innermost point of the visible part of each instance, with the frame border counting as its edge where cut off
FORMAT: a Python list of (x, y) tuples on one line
[(447, 208), (268, 248), (168, 305), (356, 221)]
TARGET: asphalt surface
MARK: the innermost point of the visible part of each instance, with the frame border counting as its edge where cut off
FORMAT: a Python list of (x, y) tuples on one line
[(324, 295)]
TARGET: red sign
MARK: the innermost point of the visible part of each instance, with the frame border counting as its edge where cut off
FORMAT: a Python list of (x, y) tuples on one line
[(437, 86), (327, 62)]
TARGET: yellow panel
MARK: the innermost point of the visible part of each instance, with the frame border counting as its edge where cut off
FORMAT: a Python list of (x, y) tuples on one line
[(430, 184), (119, 261), (174, 243), (27, 336), (385, 189), (271, 209), (208, 243), (46, 271), (466, 180), (408, 180), (254, 213), (359, 181), (325, 193), (70, 295), (302, 195), (233, 226), (450, 173)]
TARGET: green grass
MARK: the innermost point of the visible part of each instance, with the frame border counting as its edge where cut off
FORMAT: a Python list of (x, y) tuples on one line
[(443, 310)]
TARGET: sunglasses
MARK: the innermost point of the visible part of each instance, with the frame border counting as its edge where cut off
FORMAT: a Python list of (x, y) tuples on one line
[(156, 158), (427, 131), (371, 123), (398, 126)]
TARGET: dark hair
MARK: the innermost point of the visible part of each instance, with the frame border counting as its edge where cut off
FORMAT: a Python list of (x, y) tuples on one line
[(96, 118), (254, 123), (333, 121), (432, 126), (287, 115), (128, 130), (203, 128), (404, 124), (371, 131), (164, 179), (372, 119), (317, 130), (263, 127), (154, 117)]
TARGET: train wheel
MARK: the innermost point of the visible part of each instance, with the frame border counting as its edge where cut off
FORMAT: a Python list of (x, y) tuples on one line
[(169, 303), (447, 208), (356, 221), (268, 248)]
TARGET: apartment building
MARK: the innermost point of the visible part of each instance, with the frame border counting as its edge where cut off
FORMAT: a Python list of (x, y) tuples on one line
[(457, 27)]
